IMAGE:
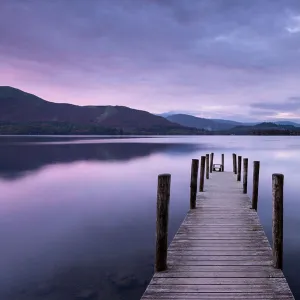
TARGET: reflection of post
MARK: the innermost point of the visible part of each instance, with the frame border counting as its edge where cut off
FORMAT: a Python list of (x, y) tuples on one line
[(239, 168), (193, 186), (255, 184), (162, 217), (277, 228), (222, 162), (234, 162), (211, 162), (207, 166), (245, 175), (202, 171)]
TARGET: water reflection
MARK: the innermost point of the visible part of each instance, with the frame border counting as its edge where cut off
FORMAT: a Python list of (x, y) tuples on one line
[(77, 220), (17, 159)]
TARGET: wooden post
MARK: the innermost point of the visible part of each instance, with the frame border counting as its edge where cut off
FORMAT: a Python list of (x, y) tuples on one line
[(162, 217), (234, 163), (193, 186), (245, 175), (207, 166), (222, 159), (211, 162), (202, 171), (239, 168), (277, 228), (256, 165)]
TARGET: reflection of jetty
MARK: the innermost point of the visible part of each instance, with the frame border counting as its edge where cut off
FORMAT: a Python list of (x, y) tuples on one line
[(220, 251)]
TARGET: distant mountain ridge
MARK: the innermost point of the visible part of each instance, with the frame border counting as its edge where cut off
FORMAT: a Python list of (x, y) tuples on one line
[(202, 123), (265, 128), (217, 124), (19, 110)]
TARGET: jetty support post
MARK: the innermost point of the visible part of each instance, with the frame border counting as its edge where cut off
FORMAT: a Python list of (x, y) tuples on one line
[(207, 166), (245, 175), (193, 186), (211, 162), (239, 168), (223, 162), (202, 171), (256, 166), (277, 218), (162, 218), (234, 163)]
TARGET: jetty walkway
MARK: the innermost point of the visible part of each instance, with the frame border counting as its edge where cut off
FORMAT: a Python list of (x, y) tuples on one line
[(220, 250)]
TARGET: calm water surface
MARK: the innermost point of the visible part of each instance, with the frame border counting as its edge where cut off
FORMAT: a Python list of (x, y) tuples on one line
[(77, 217)]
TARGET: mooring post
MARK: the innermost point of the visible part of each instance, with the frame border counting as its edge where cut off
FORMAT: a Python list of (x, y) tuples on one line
[(277, 228), (223, 160), (207, 166), (234, 163), (239, 168), (211, 162), (162, 217), (256, 165), (245, 175), (193, 186), (202, 171)]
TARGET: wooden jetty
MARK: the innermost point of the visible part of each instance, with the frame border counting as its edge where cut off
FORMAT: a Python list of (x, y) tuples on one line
[(220, 251)]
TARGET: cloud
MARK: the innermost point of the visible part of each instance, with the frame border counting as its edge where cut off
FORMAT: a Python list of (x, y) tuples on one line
[(294, 26), (290, 105), (157, 55), (288, 109)]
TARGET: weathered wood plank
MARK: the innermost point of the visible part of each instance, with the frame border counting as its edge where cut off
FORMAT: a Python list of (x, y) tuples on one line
[(280, 288), (216, 296), (220, 263), (225, 274), (219, 281), (219, 269), (220, 252), (227, 258)]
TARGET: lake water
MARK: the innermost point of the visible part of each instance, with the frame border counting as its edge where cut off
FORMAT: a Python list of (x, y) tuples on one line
[(77, 217)]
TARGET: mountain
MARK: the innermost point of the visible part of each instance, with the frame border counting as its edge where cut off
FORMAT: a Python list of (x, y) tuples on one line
[(265, 128), (201, 123), (21, 112), (221, 121), (287, 123), (216, 124)]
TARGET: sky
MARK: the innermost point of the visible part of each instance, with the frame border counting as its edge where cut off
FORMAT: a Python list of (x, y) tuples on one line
[(234, 59)]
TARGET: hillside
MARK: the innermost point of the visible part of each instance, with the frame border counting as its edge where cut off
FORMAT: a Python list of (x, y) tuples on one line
[(220, 124), (265, 128), (201, 123), (20, 112)]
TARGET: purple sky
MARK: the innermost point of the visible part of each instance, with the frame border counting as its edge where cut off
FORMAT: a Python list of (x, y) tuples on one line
[(236, 59)]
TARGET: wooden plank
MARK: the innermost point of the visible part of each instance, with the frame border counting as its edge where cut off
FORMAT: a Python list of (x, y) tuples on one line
[(279, 288), (225, 274), (220, 263), (218, 281), (216, 296), (186, 244), (173, 268), (228, 258), (220, 251)]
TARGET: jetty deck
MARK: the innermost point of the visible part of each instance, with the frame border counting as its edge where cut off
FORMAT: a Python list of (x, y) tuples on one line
[(220, 251)]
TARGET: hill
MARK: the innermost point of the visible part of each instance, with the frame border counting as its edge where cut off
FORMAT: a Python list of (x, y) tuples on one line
[(265, 128), (287, 123), (22, 113), (218, 124), (201, 123)]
